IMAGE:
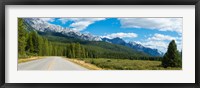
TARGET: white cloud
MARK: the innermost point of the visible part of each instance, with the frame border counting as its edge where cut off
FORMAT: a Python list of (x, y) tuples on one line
[(161, 42), (161, 24), (47, 19), (161, 37), (120, 35), (160, 45), (64, 20), (80, 24)]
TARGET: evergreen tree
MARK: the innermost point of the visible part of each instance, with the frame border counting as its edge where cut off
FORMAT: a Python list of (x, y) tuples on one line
[(86, 54), (73, 50), (40, 46), (21, 38), (172, 57), (83, 55), (77, 50), (50, 49), (46, 45), (35, 41), (30, 47), (70, 54)]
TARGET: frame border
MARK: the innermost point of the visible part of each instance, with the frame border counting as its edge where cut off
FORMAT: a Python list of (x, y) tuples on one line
[(99, 2)]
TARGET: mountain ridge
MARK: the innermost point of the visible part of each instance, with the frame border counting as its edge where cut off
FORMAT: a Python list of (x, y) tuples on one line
[(134, 45)]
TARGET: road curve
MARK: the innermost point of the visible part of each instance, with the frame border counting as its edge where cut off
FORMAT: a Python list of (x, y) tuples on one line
[(50, 63)]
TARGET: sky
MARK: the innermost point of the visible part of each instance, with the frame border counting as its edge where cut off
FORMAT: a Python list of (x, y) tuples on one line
[(150, 32)]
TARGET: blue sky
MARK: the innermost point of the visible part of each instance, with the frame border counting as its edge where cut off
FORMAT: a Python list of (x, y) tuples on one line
[(150, 32)]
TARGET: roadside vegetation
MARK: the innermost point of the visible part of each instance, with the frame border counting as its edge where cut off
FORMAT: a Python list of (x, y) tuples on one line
[(21, 60), (86, 65), (125, 64), (170, 61)]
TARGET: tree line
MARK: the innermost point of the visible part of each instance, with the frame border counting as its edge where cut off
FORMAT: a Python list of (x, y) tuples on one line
[(32, 44)]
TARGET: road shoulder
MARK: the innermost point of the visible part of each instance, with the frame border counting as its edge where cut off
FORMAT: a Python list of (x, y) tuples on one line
[(28, 59), (84, 64)]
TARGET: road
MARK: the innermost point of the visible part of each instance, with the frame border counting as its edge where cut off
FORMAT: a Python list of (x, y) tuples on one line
[(50, 63)]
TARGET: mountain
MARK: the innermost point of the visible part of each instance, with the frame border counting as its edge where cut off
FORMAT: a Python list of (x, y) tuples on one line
[(117, 40), (139, 47), (45, 27), (134, 45)]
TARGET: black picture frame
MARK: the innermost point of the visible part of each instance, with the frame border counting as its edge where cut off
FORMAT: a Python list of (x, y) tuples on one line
[(99, 2)]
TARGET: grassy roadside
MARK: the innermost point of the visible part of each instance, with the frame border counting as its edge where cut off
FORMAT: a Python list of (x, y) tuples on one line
[(84, 64), (22, 60), (125, 64), (120, 64)]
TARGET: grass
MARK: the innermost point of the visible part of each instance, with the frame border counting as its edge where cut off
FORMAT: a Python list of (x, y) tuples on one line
[(125, 64), (22, 60), (86, 65)]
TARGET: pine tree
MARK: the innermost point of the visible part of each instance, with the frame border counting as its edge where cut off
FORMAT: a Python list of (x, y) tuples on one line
[(40, 46), (86, 54), (70, 54), (77, 50), (21, 38), (72, 46), (30, 47), (35, 41), (50, 49), (46, 45), (172, 57), (83, 55)]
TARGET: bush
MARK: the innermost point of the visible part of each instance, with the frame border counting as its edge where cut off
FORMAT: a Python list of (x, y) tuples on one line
[(108, 60)]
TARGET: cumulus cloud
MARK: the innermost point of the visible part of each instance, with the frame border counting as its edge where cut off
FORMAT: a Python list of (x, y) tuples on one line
[(161, 24), (160, 45), (47, 19), (161, 42), (64, 20), (161, 37), (120, 35), (80, 24)]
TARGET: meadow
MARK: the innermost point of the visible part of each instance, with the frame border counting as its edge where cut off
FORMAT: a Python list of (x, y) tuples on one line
[(126, 64)]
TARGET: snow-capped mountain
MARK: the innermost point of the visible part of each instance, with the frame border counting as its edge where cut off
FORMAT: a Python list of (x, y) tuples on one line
[(134, 45), (115, 41), (139, 47), (44, 26)]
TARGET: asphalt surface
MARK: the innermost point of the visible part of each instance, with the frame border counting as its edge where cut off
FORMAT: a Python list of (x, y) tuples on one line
[(50, 63)]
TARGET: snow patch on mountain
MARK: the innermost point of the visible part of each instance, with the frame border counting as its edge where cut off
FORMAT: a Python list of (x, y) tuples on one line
[(43, 26), (135, 46)]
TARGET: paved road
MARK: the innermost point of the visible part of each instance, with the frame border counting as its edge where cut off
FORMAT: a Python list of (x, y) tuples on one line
[(50, 63)]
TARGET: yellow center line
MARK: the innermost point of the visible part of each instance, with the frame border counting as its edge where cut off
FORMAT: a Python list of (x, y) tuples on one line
[(50, 64)]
